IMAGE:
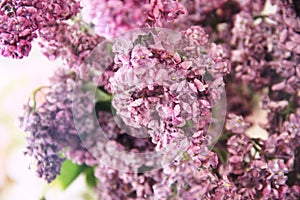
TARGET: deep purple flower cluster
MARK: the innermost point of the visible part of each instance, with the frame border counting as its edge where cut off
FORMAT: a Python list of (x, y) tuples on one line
[(71, 43), (20, 21)]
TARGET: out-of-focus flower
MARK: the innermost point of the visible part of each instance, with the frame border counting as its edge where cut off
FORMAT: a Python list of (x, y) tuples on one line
[(288, 14), (114, 17), (254, 46), (290, 193), (40, 146), (50, 127)]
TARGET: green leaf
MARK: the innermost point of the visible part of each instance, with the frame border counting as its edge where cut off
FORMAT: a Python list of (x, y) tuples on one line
[(68, 173), (221, 154), (90, 178)]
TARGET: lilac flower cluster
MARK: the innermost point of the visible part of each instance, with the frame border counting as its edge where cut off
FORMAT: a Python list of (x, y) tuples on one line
[(114, 184), (20, 21), (164, 86), (153, 80), (288, 14), (50, 127), (260, 168), (112, 17), (49, 120), (72, 43)]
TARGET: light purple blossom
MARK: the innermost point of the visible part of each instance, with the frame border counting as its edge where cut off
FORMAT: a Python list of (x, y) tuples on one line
[(236, 124), (114, 17), (155, 88)]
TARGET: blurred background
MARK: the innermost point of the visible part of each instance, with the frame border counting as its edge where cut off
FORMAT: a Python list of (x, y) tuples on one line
[(18, 78)]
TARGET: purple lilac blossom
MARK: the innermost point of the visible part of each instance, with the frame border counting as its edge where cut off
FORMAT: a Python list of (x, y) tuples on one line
[(113, 17), (183, 180), (254, 44), (258, 168), (50, 128), (44, 152), (288, 14), (156, 81), (72, 43), (20, 21), (114, 184), (236, 124)]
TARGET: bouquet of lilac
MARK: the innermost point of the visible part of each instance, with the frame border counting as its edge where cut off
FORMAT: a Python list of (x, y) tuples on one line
[(155, 99)]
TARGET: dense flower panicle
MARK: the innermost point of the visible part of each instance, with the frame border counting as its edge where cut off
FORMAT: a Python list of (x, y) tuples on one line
[(257, 172), (61, 127), (113, 17), (20, 20), (50, 127), (72, 43), (260, 168), (290, 12), (291, 193), (254, 46), (42, 149), (114, 184), (155, 81), (287, 143), (253, 182), (289, 74), (281, 147), (183, 180), (238, 147), (258, 57), (107, 142), (252, 6), (215, 16), (290, 40), (199, 152), (197, 12)]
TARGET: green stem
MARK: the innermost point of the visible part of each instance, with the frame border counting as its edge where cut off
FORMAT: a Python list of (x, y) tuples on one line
[(33, 96), (100, 95)]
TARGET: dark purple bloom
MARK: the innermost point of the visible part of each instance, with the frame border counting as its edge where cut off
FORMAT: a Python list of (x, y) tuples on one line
[(72, 43), (20, 21)]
